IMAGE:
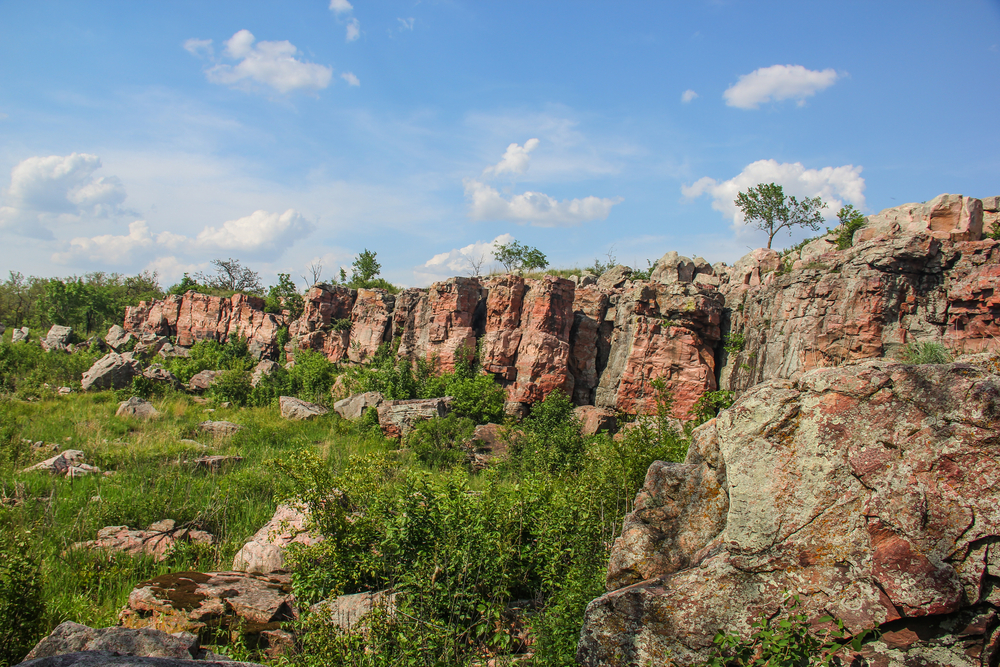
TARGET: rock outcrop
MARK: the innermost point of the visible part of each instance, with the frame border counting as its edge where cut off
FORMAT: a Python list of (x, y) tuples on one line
[(70, 637), (136, 407), (296, 409), (57, 339), (157, 541), (112, 371), (398, 418), (265, 552), (870, 490)]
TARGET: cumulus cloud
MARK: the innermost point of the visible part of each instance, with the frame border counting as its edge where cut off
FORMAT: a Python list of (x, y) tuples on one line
[(536, 208), (778, 82), (108, 248), (340, 6), (688, 95), (353, 30), (350, 79), (515, 160), (272, 64), (835, 185), (61, 188), (257, 232), (461, 260)]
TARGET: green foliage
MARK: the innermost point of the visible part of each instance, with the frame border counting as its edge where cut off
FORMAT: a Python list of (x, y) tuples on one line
[(365, 267), (284, 296), (186, 284), (232, 386), (993, 232), (710, 403), (519, 258), (771, 210), (437, 442), (643, 274), (851, 220), (786, 641), (925, 353), (343, 324), (549, 438), (734, 343), (25, 368), (231, 276), (210, 355), (22, 605)]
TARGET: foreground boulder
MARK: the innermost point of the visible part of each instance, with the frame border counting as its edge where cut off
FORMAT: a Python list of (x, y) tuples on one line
[(353, 407), (296, 409), (112, 371), (219, 429), (70, 637), (872, 491), (204, 379), (157, 541), (265, 552), (195, 601), (69, 463), (22, 335), (398, 418), (348, 612), (57, 339), (136, 407)]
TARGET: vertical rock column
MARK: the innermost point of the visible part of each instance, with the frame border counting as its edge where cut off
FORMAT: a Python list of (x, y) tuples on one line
[(324, 306), (441, 324), (543, 352), (504, 301), (590, 305)]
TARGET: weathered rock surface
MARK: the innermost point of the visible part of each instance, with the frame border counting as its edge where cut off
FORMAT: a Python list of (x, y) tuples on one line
[(194, 601), (120, 340), (438, 324), (113, 659), (265, 552), (866, 302), (543, 351), (948, 217), (595, 420), (296, 409), (265, 368), (57, 339), (21, 335), (69, 463), (204, 379), (398, 418), (353, 407), (70, 637), (157, 541), (112, 371), (871, 490), (219, 428), (157, 373), (136, 407), (349, 611), (372, 319)]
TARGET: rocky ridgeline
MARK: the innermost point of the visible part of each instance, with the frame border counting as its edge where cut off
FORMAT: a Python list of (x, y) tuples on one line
[(919, 272)]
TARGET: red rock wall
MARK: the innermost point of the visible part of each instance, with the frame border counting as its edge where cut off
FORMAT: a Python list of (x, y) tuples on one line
[(439, 323)]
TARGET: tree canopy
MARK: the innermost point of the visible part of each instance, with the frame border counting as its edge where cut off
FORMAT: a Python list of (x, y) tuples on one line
[(519, 258), (771, 210)]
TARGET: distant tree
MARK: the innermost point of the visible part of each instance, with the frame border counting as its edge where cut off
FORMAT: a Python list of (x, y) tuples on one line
[(365, 267), (851, 220), (315, 271), (768, 207), (187, 283), (519, 258), (231, 275), (284, 296)]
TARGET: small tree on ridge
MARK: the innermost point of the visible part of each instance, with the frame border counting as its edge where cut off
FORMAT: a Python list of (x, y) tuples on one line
[(767, 206)]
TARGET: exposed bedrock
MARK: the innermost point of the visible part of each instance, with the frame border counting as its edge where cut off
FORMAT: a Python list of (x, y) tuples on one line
[(871, 490)]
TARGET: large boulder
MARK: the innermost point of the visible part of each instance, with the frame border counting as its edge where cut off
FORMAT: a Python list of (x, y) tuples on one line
[(21, 335), (204, 380), (70, 637), (349, 612), (398, 418), (872, 491), (947, 217), (296, 409), (672, 268), (265, 552), (57, 339), (353, 407), (137, 408), (157, 541), (106, 658), (196, 601), (219, 429), (112, 371), (120, 340)]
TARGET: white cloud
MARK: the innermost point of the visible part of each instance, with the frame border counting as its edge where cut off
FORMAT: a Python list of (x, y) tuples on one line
[(406, 24), (536, 208), (459, 260), (61, 188), (350, 79), (835, 185), (108, 248), (515, 159), (199, 47), (257, 232), (340, 6), (353, 30), (270, 63), (170, 269), (688, 95), (778, 82)]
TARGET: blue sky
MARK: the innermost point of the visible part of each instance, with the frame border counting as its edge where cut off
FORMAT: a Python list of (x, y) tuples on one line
[(140, 135)]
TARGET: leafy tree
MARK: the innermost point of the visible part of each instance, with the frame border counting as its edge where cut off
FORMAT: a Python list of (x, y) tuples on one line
[(284, 295), (186, 283), (231, 275), (365, 267), (519, 258), (851, 220), (769, 207)]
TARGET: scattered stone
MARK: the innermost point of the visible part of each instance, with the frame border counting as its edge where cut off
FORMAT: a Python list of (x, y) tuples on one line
[(595, 420), (157, 373), (57, 339), (21, 335), (296, 409), (265, 368), (672, 268), (113, 659), (61, 464), (112, 371), (195, 601), (398, 418), (219, 428), (215, 462), (353, 407), (136, 407), (203, 380), (70, 637), (120, 340), (349, 611), (614, 277), (157, 541), (64, 391), (265, 552), (150, 343), (170, 350)]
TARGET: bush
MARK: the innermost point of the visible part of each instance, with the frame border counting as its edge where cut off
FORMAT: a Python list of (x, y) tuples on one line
[(710, 403), (925, 353), (437, 442), (25, 368), (549, 438), (851, 220), (22, 606)]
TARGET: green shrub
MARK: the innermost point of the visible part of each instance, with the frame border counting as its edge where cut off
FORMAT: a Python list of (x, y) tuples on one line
[(233, 386), (25, 368), (710, 403), (437, 442), (851, 220), (734, 343), (925, 353), (993, 232), (22, 606), (549, 438)]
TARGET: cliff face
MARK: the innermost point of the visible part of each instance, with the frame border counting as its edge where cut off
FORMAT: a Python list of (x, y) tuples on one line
[(871, 490)]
